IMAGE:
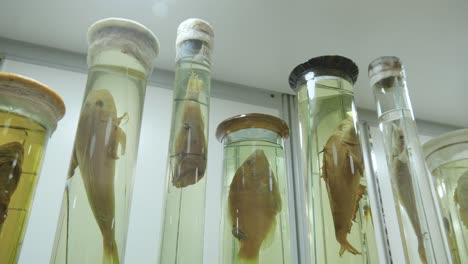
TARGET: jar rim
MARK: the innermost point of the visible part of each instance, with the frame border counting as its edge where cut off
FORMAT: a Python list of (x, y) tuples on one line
[(444, 141), (48, 101), (252, 120)]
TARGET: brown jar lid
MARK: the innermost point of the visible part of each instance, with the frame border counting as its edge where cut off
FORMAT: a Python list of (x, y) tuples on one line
[(251, 120), (46, 101)]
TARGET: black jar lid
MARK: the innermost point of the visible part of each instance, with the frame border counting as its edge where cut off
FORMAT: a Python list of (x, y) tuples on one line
[(330, 65), (252, 120)]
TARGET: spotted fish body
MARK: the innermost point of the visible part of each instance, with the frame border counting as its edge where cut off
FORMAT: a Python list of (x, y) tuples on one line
[(254, 201), (11, 162), (95, 152), (404, 182), (461, 198), (342, 170), (190, 144)]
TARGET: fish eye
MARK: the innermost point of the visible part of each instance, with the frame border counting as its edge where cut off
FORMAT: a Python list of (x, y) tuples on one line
[(99, 103)]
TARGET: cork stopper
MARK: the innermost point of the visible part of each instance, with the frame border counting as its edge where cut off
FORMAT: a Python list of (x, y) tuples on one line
[(129, 36), (384, 67), (252, 120), (42, 100)]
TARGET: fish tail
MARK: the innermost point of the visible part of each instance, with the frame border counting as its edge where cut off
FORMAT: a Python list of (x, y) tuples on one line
[(111, 253), (421, 250), (241, 260), (346, 246)]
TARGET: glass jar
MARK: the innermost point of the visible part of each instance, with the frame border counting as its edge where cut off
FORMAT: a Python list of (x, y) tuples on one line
[(447, 159), (184, 204), (93, 222), (29, 112), (340, 226), (420, 224), (255, 221)]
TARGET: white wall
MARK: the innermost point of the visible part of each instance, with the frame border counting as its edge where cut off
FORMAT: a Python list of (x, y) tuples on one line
[(145, 219)]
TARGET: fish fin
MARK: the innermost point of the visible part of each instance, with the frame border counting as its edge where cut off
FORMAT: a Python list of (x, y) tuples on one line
[(73, 164), (111, 252), (270, 237), (421, 250), (238, 233), (120, 139), (360, 192), (368, 213), (120, 119), (347, 247)]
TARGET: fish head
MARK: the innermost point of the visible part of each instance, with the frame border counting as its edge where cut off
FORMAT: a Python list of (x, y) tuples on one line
[(257, 167), (100, 100), (348, 131), (398, 139)]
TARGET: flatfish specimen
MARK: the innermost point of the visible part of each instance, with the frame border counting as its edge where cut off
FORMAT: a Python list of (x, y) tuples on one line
[(95, 152), (342, 170), (190, 146), (254, 201), (11, 162), (461, 198), (404, 182)]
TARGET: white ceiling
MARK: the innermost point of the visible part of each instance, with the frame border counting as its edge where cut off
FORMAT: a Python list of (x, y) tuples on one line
[(259, 42)]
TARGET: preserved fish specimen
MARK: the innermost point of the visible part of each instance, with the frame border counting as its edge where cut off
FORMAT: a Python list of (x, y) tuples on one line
[(406, 195), (255, 224), (29, 112), (254, 202), (332, 163), (447, 159), (420, 221), (183, 228), (93, 221), (461, 198), (11, 160), (190, 145), (95, 151), (342, 169)]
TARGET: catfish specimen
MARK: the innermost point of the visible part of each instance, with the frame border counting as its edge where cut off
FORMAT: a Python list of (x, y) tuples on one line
[(190, 145), (403, 177), (342, 169), (461, 198), (254, 201), (11, 162), (95, 152)]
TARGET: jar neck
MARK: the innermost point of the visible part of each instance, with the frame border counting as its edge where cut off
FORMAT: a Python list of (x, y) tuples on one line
[(254, 135), (391, 93), (194, 51), (327, 84)]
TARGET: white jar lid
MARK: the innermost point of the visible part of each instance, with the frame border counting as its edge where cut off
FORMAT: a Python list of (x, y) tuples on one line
[(42, 100), (129, 36)]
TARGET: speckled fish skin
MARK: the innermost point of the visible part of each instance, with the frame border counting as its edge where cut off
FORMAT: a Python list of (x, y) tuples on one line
[(95, 152), (190, 146), (461, 198), (11, 162), (405, 185), (342, 170), (254, 201)]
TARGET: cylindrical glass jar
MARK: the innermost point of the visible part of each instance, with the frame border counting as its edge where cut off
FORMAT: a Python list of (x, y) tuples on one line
[(418, 214), (184, 208), (447, 159), (93, 221), (255, 221), (340, 226), (29, 112)]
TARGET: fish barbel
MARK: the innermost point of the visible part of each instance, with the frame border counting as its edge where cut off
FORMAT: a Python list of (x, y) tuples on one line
[(461, 198), (190, 145), (254, 201), (342, 169), (404, 181), (11, 162), (95, 152)]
